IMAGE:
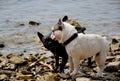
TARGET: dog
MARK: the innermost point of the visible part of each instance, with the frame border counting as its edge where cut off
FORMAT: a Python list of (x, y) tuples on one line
[(80, 46), (57, 48)]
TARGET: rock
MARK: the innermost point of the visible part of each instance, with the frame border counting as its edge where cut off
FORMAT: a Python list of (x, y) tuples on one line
[(114, 41), (3, 77), (83, 79), (10, 55), (112, 66), (115, 46), (32, 58), (74, 23), (21, 76), (49, 77), (110, 59), (3, 61), (18, 24), (17, 60), (9, 66), (117, 58), (34, 23), (1, 55), (63, 75), (2, 45)]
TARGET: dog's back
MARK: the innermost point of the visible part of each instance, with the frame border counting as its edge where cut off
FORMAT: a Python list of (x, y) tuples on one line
[(87, 44)]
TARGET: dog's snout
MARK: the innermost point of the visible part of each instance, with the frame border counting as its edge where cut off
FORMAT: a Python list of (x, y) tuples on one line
[(52, 36)]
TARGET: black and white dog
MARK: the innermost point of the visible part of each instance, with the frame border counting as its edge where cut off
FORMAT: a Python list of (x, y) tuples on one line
[(56, 48)]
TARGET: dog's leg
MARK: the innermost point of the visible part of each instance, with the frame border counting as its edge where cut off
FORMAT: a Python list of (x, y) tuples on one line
[(76, 66), (100, 61), (71, 64), (70, 67), (64, 61), (57, 63)]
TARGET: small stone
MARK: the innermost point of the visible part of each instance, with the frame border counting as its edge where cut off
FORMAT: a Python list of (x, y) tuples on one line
[(21, 77), (2, 45), (10, 55), (3, 61), (34, 23), (110, 58), (3, 77), (114, 41), (19, 24), (51, 77), (17, 60), (117, 57), (9, 66), (112, 66), (63, 75), (83, 79), (74, 23)]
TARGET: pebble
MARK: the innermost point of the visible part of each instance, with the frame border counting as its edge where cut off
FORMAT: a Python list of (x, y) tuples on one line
[(113, 66)]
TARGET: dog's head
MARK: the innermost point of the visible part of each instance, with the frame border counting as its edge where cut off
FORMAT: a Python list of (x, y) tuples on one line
[(47, 41), (62, 31)]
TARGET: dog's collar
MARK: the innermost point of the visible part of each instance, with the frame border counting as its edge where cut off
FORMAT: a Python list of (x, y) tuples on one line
[(70, 39)]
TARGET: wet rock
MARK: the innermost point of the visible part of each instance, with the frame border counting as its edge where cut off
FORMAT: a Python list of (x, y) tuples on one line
[(17, 60), (63, 75), (18, 24), (10, 55), (2, 45), (83, 79), (5, 72), (117, 57), (114, 41), (3, 77), (33, 23), (3, 61), (32, 58), (110, 59), (113, 66), (49, 77), (9, 66), (74, 23), (1, 55), (21, 76)]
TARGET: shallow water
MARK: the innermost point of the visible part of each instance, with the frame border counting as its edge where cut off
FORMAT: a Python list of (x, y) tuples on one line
[(98, 16)]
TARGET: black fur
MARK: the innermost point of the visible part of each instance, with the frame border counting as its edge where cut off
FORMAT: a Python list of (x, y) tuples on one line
[(57, 49)]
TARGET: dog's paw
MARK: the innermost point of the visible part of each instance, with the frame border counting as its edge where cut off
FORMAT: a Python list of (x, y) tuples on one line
[(73, 73), (99, 74), (66, 71)]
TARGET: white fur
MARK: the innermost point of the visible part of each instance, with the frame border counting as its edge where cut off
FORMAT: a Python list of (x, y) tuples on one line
[(84, 46)]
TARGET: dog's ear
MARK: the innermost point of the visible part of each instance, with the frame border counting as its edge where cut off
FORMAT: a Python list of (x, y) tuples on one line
[(65, 18), (60, 22), (41, 36)]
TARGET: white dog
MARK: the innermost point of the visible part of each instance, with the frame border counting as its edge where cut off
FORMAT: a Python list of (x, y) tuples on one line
[(81, 46)]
